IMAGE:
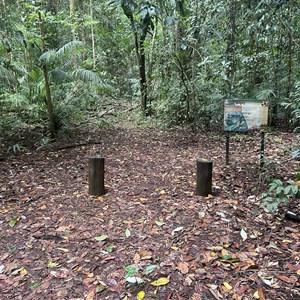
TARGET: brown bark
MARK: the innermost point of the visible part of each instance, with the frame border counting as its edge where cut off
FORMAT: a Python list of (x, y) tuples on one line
[(231, 44), (143, 78), (93, 35), (47, 83), (83, 33)]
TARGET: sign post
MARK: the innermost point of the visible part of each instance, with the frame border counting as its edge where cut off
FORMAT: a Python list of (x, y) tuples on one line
[(242, 115), (227, 147), (262, 149)]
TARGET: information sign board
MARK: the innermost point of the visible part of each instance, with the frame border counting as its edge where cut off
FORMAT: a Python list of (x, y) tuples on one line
[(243, 115)]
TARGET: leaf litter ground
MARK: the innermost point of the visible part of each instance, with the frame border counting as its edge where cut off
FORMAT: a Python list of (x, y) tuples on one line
[(149, 236)]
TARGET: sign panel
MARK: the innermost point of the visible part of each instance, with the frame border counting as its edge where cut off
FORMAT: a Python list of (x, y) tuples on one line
[(242, 115)]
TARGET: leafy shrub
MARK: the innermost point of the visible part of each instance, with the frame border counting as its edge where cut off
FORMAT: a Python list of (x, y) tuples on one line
[(279, 192), (293, 107)]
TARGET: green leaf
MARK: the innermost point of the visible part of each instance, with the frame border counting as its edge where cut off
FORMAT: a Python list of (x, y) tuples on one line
[(47, 56), (226, 257), (12, 222), (101, 238), (130, 271), (272, 187), (279, 189), (109, 249), (134, 279), (127, 233), (86, 76), (150, 269), (35, 285), (229, 258), (244, 235), (159, 223), (264, 195), (70, 46), (278, 182), (287, 190), (100, 288), (295, 189), (272, 206), (52, 264)]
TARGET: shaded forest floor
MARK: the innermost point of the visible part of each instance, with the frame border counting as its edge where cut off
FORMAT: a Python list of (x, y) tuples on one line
[(57, 242)]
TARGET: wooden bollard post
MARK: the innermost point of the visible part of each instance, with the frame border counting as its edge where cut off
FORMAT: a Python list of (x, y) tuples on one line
[(96, 176), (204, 177)]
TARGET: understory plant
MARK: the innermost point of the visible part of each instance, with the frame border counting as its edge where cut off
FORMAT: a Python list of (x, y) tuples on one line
[(279, 192)]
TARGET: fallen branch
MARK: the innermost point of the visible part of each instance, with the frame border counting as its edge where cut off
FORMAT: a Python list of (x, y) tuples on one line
[(78, 145)]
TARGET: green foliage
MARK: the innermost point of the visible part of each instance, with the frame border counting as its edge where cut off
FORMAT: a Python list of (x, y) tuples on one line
[(130, 271), (197, 54), (279, 193), (16, 149), (293, 106), (295, 153)]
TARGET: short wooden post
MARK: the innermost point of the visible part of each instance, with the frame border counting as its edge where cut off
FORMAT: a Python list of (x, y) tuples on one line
[(204, 177), (96, 176)]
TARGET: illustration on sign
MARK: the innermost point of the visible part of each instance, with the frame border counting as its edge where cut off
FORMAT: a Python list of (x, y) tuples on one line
[(242, 115)]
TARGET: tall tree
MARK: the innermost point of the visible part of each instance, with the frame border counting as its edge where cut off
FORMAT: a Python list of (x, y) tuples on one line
[(231, 44), (47, 82), (72, 17), (93, 34), (141, 16)]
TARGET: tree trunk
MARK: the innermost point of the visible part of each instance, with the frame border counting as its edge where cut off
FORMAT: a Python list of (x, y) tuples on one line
[(93, 35), (82, 20), (151, 64), (231, 45), (72, 16), (141, 61), (290, 62), (143, 79), (47, 83)]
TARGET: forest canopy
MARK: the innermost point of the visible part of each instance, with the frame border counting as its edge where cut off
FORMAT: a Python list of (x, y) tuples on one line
[(177, 61)]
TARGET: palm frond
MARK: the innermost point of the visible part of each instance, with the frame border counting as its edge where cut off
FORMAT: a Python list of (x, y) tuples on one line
[(265, 94), (7, 77), (86, 76), (70, 46), (19, 68), (15, 101), (35, 75), (58, 75), (47, 56)]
